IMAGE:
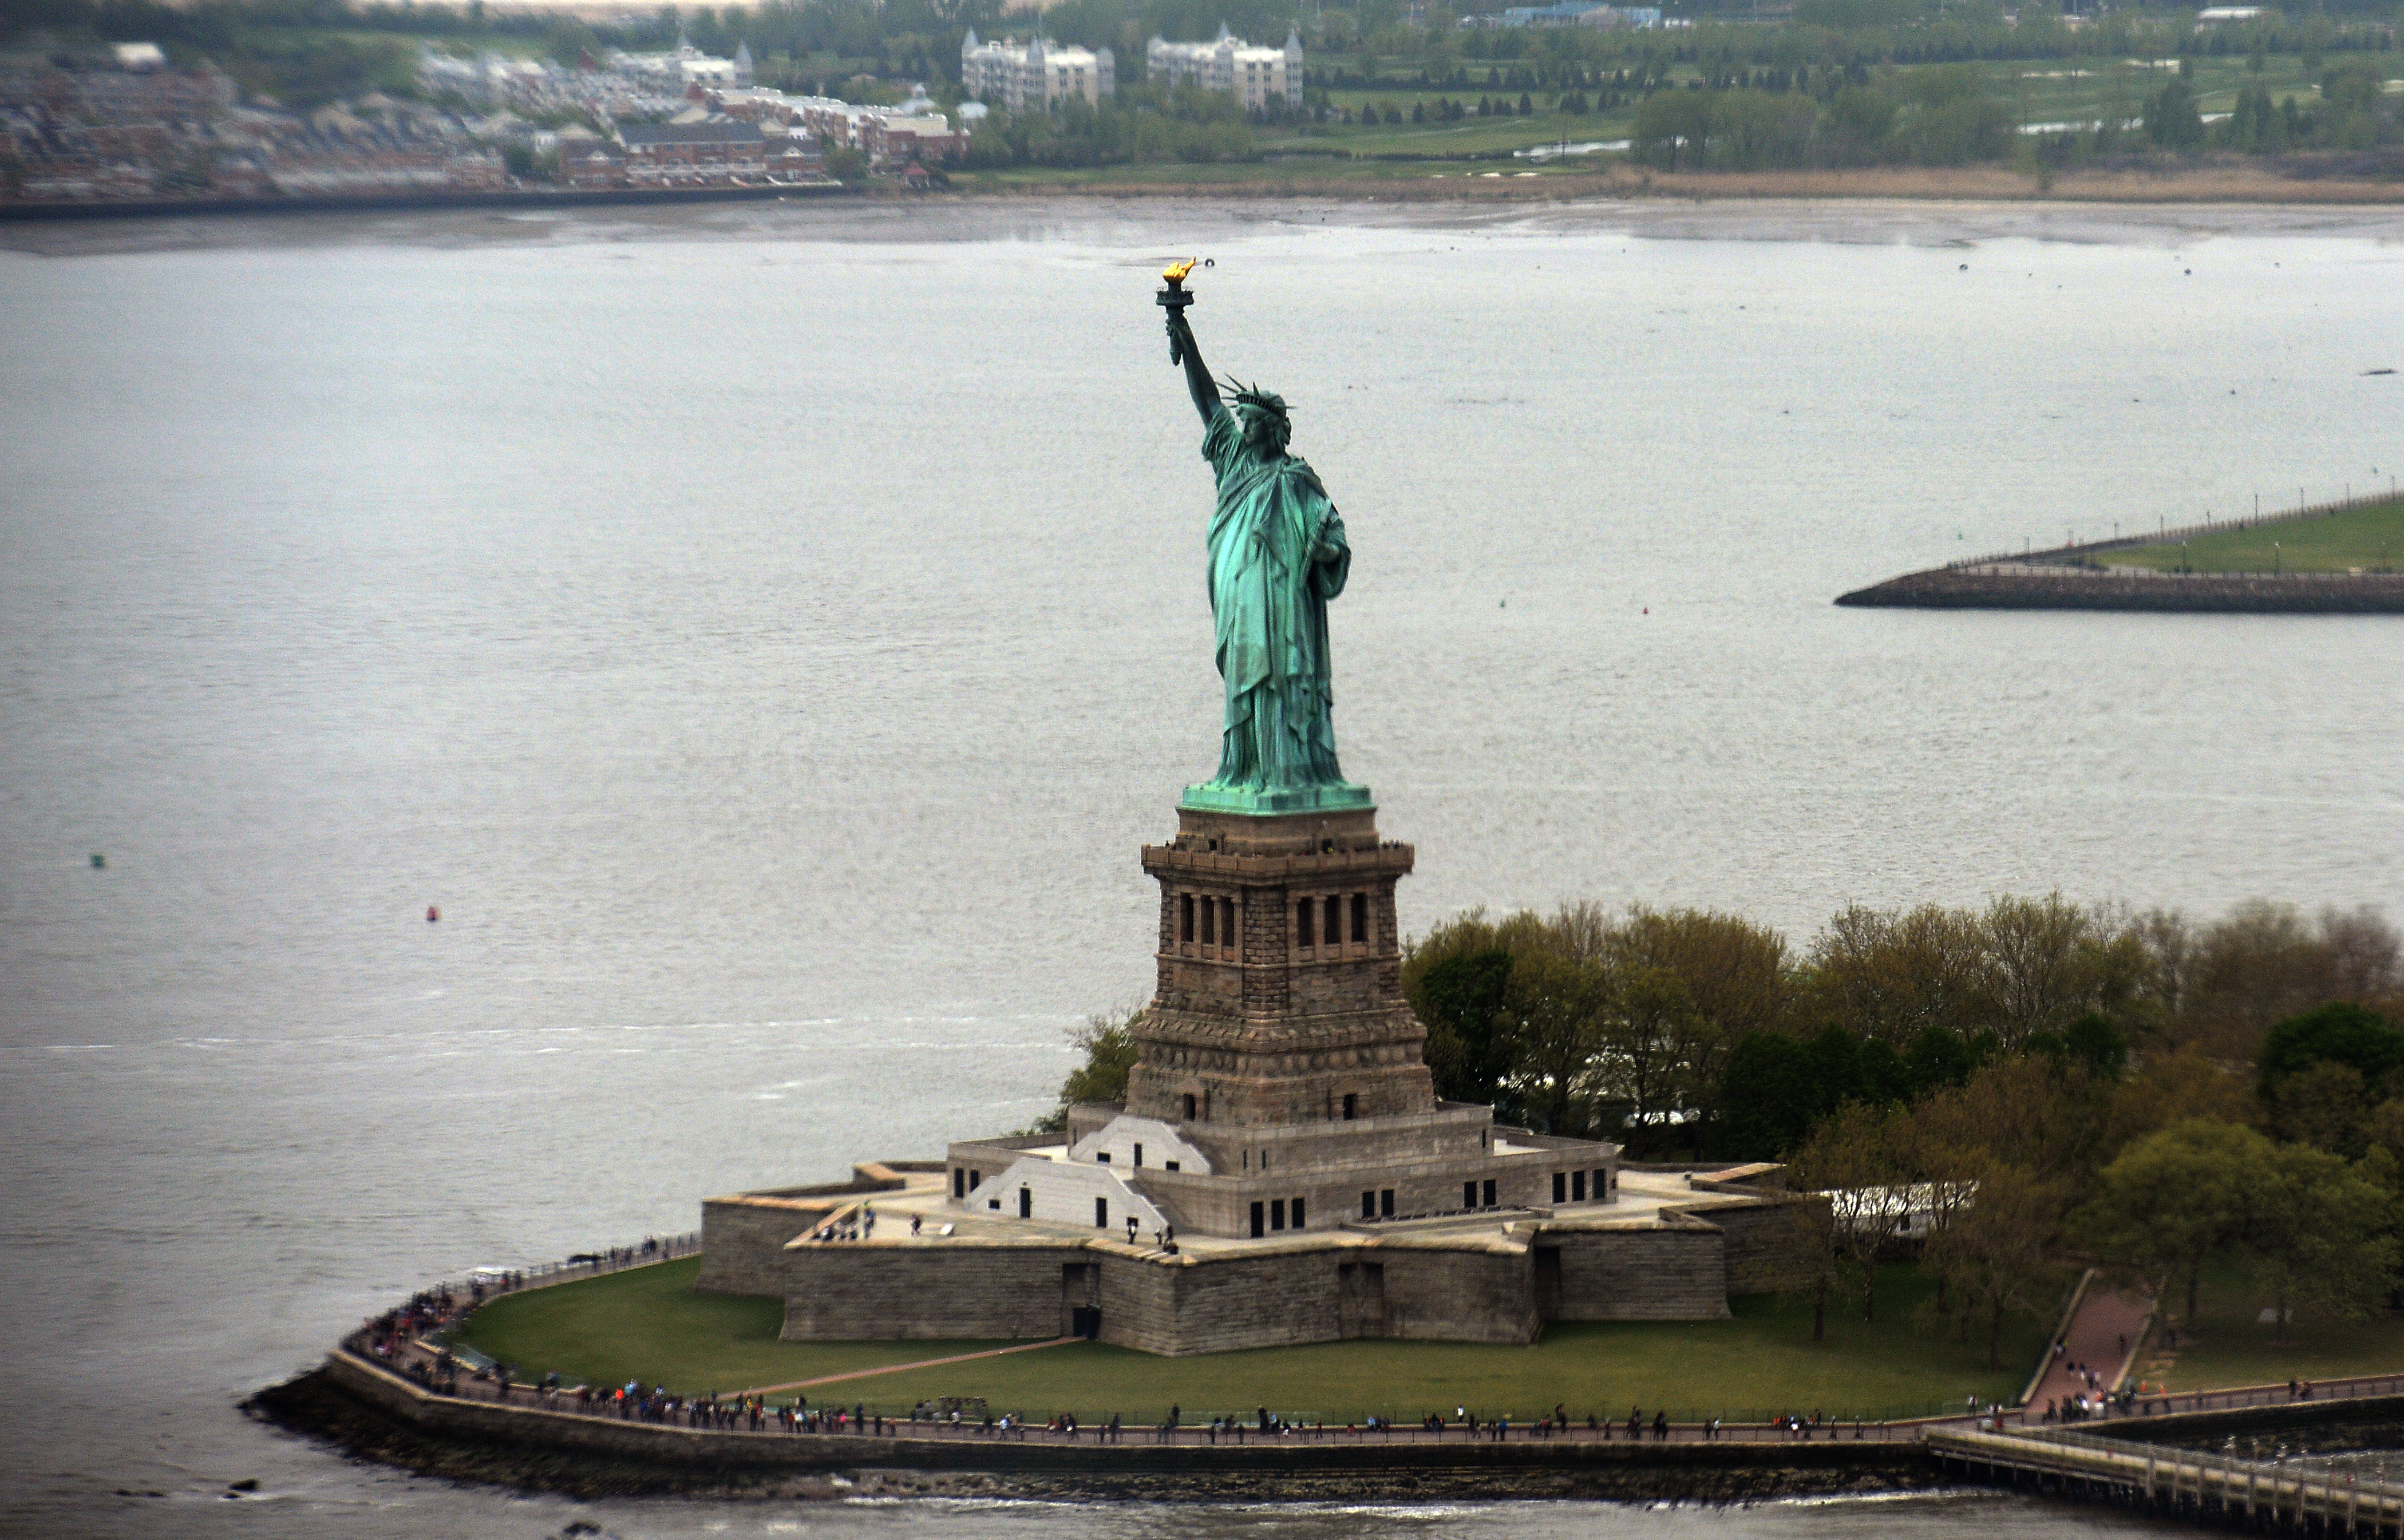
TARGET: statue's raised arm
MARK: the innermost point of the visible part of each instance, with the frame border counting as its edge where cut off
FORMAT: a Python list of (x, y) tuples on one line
[(1276, 555), (1198, 384)]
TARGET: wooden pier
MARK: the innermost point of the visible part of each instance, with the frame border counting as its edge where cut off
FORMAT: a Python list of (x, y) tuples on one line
[(2180, 1483)]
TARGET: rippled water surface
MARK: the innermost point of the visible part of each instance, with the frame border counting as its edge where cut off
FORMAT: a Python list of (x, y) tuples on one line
[(767, 635)]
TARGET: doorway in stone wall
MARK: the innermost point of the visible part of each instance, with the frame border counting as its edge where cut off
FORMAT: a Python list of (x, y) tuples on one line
[(1081, 1301), (1548, 1282), (1361, 1299)]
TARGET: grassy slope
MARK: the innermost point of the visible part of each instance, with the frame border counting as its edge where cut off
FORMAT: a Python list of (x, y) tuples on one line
[(647, 1325), (2369, 538), (2233, 1346), (2049, 91)]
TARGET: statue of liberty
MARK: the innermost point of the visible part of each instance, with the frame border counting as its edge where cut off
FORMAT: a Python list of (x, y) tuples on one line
[(1276, 555)]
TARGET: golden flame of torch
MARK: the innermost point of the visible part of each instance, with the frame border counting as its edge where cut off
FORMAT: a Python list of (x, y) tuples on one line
[(1175, 273)]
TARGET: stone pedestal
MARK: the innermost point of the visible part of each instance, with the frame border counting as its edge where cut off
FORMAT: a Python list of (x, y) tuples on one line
[(1279, 994)]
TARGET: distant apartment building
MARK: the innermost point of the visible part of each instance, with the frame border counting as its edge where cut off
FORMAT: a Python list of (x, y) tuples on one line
[(682, 68), (913, 130), (1571, 13), (666, 153), (1255, 77), (1036, 72)]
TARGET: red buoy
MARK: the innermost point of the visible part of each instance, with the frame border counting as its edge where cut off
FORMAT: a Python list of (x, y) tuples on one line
[(432, 914)]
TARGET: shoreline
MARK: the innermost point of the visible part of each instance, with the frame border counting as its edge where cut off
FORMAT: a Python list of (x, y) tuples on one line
[(371, 1414), (2230, 186), (2000, 587), (2236, 186)]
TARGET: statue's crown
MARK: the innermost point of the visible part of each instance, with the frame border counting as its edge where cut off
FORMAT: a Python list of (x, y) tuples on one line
[(1254, 396)]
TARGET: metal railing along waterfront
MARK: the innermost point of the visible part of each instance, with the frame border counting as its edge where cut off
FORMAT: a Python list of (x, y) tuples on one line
[(484, 1285), (2146, 1403), (2164, 1474), (2076, 550)]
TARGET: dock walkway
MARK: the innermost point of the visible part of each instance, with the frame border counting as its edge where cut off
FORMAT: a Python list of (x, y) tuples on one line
[(2180, 1482)]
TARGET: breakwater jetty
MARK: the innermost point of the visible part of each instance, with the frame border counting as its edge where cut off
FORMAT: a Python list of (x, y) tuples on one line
[(2024, 586), (2081, 576)]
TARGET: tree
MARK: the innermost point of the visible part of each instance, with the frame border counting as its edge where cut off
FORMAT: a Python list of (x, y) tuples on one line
[(2175, 1201), (2047, 962), (2263, 963), (2171, 119), (2323, 1105), (2094, 1042), (1735, 980), (1460, 999), (1109, 1048), (1996, 1256), (845, 165), (2338, 1033), (1553, 1017), (1852, 1160), (1647, 1024), (2316, 1232), (1939, 1057), (1766, 1098), (1894, 975)]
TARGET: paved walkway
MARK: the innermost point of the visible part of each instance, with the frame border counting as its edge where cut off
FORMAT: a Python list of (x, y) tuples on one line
[(2102, 1339), (897, 1368)]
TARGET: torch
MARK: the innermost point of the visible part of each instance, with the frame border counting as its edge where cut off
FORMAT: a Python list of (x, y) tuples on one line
[(1174, 298)]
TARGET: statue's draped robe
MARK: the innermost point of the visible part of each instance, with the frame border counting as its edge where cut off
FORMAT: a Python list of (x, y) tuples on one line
[(1277, 555)]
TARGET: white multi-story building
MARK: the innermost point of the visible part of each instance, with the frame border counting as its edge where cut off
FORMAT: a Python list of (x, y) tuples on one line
[(1255, 77), (1035, 72), (675, 73)]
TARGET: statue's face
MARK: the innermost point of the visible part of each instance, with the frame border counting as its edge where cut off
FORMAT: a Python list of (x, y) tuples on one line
[(1260, 430)]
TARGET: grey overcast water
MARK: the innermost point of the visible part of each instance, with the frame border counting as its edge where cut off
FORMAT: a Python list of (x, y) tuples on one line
[(768, 634)]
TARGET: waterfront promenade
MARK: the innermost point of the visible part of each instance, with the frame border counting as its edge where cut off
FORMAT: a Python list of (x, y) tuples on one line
[(2102, 1334)]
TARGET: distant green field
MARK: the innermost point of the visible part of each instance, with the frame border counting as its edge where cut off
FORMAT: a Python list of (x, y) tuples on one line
[(2068, 91), (2371, 538), (2235, 1347), (647, 1325)]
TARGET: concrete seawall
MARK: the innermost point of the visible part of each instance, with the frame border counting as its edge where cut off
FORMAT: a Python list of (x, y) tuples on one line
[(2003, 587), (375, 1414), (379, 1415)]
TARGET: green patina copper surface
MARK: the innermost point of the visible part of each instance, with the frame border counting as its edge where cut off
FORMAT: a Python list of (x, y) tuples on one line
[(1276, 555)]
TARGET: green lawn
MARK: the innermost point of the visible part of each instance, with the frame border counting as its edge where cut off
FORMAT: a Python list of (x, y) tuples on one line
[(2233, 1346), (647, 1325), (2371, 538)]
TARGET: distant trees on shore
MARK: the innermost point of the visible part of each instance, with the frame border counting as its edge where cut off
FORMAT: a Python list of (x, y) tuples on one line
[(1696, 1033), (2010, 1090)]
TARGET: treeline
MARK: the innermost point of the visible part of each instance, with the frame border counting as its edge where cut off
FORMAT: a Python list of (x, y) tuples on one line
[(1366, 43), (1940, 116), (1641, 1026), (1146, 124), (2354, 112), (2170, 1169), (2036, 1083), (1943, 116)]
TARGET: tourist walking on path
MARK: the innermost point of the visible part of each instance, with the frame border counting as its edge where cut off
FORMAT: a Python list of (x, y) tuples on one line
[(2095, 1350)]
